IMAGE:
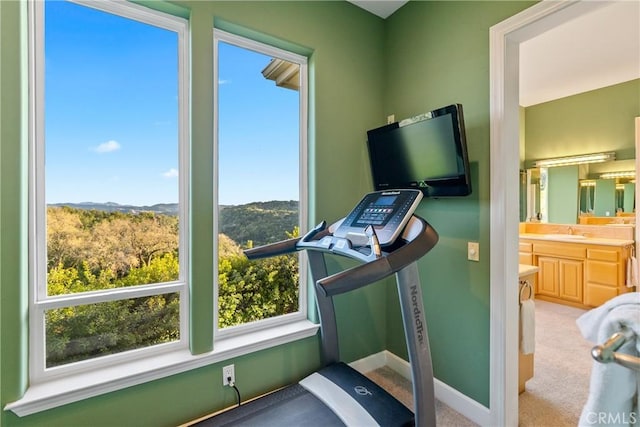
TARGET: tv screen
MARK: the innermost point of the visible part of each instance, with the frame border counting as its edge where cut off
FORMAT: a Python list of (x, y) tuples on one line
[(427, 152)]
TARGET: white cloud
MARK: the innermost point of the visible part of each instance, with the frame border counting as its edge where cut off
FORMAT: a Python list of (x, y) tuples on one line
[(171, 173), (223, 82), (107, 147)]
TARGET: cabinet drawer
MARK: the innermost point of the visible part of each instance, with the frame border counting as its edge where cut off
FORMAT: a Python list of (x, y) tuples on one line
[(564, 251), (525, 247), (603, 273), (596, 295), (525, 258), (603, 255)]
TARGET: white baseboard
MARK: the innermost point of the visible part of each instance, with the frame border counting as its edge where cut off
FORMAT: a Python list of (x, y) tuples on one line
[(372, 362), (446, 394)]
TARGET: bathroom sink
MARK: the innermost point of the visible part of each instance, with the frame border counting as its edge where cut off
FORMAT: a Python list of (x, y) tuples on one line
[(565, 236)]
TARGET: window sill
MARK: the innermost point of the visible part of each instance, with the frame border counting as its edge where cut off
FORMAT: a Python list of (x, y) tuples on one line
[(73, 388)]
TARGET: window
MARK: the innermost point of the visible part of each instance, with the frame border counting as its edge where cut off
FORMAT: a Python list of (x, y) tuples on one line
[(109, 200), (261, 186), (109, 168)]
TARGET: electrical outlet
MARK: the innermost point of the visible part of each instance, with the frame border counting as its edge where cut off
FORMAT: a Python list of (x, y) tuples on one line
[(228, 371), (391, 118)]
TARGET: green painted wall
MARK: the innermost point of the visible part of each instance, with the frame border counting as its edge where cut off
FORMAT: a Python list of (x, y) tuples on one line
[(438, 54), (13, 244), (563, 194), (594, 121)]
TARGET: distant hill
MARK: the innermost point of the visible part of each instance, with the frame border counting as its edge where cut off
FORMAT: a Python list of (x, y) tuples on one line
[(260, 222), (160, 208)]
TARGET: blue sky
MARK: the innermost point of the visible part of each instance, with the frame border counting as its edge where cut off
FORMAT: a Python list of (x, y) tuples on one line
[(111, 115)]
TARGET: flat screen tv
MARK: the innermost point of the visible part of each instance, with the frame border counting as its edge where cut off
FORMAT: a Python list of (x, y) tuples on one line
[(426, 152)]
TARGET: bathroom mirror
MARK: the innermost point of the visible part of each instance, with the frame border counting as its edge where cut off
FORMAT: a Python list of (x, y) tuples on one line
[(596, 196), (618, 195)]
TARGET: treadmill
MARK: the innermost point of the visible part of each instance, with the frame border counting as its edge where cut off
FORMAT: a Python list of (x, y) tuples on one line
[(383, 234)]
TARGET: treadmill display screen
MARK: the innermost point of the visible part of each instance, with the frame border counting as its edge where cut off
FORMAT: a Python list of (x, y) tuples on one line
[(387, 211), (385, 200), (377, 213)]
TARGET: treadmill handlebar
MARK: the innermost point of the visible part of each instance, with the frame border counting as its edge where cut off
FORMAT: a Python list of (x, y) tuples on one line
[(273, 249), (287, 246), (418, 239), (314, 231), (356, 277)]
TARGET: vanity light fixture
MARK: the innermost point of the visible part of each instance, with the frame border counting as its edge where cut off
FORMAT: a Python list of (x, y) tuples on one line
[(575, 160), (621, 174)]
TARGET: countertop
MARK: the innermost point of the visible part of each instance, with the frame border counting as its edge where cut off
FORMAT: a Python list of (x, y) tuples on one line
[(572, 238), (525, 270)]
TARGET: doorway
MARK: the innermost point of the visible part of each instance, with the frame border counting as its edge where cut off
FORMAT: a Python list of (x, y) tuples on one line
[(505, 40)]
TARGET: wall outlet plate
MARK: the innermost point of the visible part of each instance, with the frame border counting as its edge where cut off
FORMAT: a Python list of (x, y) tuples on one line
[(473, 251), (228, 372)]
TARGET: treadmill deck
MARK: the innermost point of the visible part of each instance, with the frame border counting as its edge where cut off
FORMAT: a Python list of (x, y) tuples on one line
[(355, 399)]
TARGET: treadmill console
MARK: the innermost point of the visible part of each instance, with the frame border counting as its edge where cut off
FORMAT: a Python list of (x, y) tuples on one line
[(386, 211)]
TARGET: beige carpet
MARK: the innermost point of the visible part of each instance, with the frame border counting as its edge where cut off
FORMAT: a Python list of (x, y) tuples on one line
[(400, 388), (556, 394), (554, 397)]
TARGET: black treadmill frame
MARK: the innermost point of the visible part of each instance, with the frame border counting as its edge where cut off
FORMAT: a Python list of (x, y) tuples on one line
[(416, 240)]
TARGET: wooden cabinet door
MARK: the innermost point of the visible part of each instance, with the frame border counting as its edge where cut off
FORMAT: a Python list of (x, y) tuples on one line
[(548, 276), (571, 279)]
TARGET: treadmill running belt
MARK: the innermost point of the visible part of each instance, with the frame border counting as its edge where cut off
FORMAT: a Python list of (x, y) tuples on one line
[(291, 406), (380, 406)]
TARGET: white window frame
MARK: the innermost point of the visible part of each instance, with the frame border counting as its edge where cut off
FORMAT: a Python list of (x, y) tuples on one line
[(39, 302), (81, 380), (242, 42)]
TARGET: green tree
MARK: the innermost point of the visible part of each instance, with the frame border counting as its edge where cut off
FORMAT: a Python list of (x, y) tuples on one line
[(66, 237), (87, 331), (95, 250), (256, 290), (261, 222)]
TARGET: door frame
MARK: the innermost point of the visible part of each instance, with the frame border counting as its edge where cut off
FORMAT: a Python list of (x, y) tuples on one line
[(504, 57)]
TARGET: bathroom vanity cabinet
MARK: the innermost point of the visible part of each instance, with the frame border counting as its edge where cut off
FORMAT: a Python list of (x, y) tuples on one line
[(582, 272)]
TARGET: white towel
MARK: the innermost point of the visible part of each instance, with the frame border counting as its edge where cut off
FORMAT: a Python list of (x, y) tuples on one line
[(632, 272), (613, 391), (527, 326)]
